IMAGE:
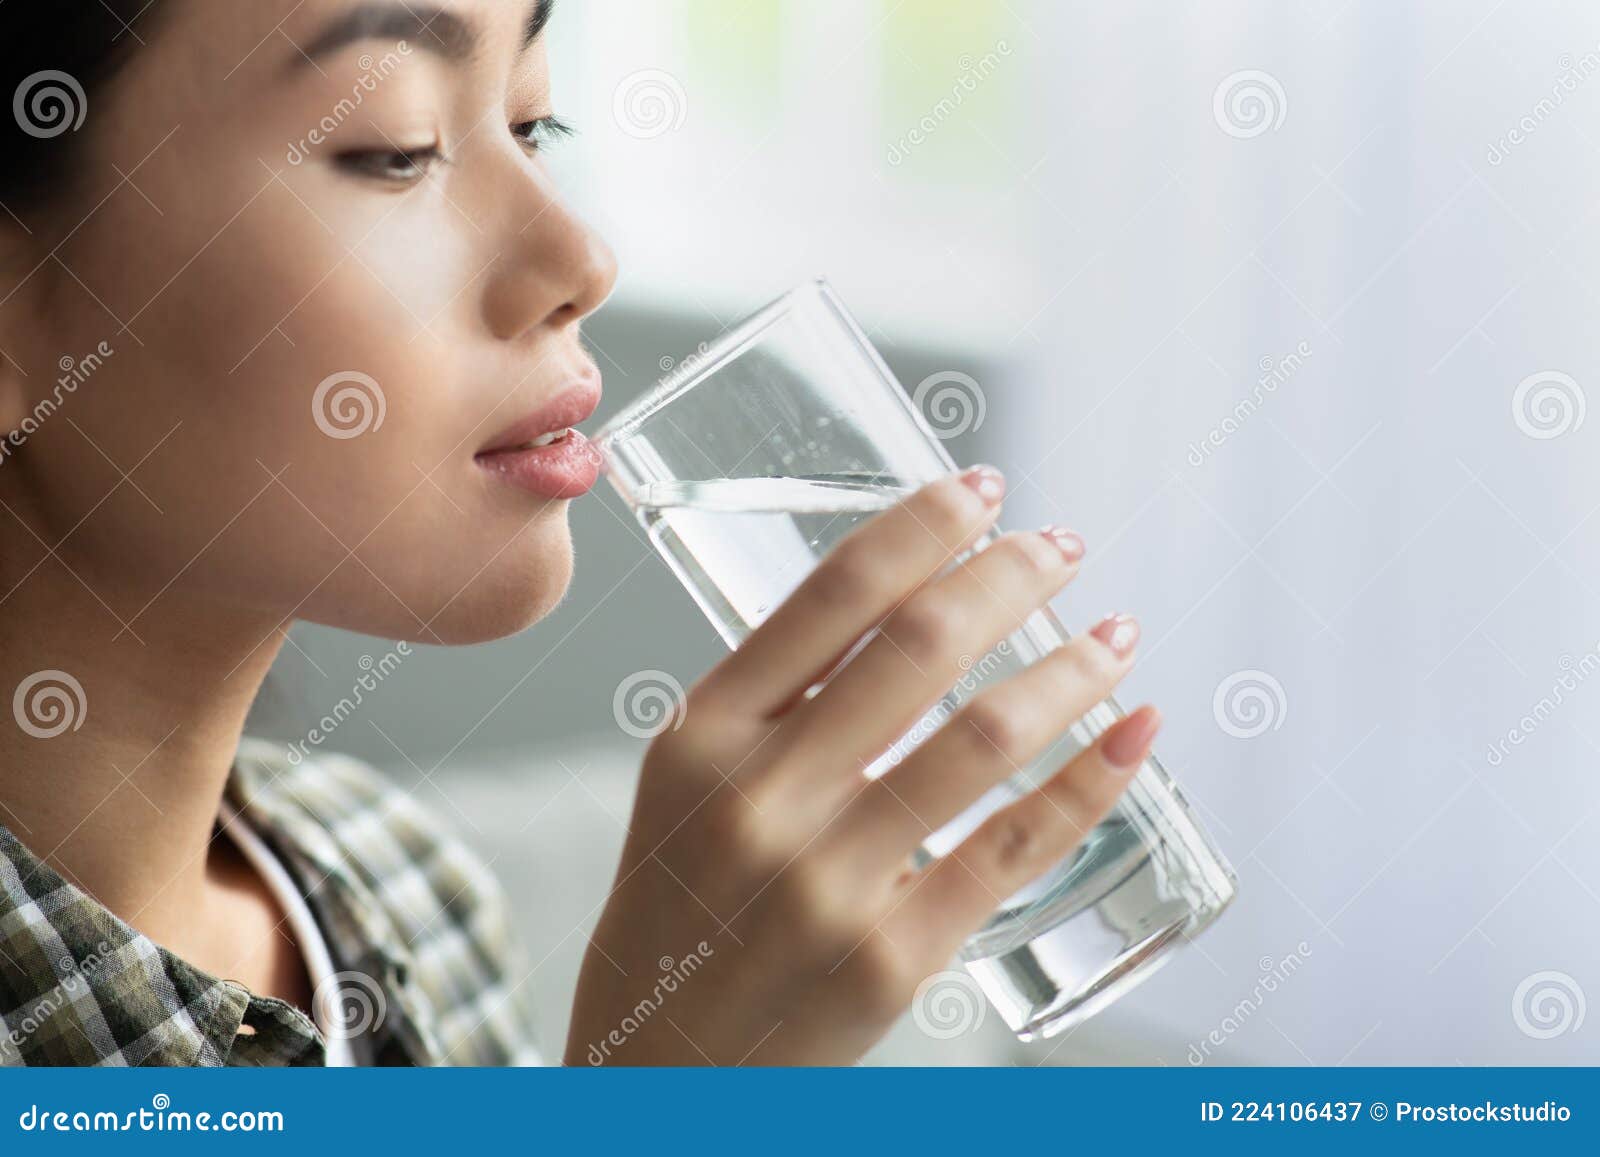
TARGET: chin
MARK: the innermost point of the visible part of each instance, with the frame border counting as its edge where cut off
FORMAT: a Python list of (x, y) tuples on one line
[(511, 594), (487, 592)]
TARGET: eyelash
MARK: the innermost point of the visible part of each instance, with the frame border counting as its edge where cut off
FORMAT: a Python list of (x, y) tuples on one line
[(545, 130), (405, 167)]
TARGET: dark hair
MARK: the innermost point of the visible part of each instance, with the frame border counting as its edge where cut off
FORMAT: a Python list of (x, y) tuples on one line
[(55, 55)]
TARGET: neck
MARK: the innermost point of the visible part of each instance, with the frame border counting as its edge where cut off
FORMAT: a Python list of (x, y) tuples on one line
[(117, 788)]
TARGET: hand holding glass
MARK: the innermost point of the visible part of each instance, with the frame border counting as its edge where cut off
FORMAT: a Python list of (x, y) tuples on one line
[(749, 463)]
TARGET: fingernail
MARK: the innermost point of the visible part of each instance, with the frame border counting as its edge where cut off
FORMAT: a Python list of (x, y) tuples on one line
[(1119, 632), (987, 482), (1068, 543), (1128, 741)]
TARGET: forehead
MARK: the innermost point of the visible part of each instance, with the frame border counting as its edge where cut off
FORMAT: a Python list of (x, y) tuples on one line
[(252, 38)]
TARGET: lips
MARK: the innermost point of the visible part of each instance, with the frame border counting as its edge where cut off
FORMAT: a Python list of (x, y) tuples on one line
[(541, 453)]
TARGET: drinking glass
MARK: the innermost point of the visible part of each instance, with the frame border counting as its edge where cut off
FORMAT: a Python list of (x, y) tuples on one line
[(745, 465)]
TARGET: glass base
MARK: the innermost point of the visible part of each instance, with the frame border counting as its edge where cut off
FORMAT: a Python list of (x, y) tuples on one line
[(1111, 921)]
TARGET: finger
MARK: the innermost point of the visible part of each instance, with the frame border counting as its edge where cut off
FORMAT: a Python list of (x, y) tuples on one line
[(917, 655), (990, 740), (860, 581), (1019, 843)]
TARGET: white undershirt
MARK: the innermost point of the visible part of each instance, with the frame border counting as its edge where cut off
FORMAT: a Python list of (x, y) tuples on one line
[(318, 961)]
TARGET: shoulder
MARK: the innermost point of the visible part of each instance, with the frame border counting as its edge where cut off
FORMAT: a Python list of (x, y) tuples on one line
[(448, 910)]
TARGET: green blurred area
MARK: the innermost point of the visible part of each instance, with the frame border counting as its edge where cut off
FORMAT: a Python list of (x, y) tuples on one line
[(736, 50), (927, 48), (954, 65)]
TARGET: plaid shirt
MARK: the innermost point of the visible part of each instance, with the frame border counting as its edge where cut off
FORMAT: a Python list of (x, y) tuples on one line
[(416, 926)]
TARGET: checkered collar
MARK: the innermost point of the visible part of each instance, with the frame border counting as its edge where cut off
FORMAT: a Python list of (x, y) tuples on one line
[(79, 986)]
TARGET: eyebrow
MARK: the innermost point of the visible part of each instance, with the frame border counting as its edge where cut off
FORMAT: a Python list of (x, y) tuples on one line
[(434, 29)]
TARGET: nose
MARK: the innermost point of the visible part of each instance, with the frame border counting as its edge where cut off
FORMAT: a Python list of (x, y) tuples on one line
[(552, 271)]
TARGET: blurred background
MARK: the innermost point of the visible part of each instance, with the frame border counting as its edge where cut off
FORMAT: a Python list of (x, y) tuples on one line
[(1287, 306)]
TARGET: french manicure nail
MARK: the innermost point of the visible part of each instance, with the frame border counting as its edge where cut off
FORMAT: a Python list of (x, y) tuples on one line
[(1067, 542), (1119, 632), (987, 482), (1128, 741)]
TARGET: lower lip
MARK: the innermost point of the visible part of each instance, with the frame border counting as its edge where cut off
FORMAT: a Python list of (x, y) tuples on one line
[(564, 469)]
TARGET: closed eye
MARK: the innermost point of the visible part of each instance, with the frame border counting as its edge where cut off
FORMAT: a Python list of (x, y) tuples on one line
[(542, 132), (400, 166)]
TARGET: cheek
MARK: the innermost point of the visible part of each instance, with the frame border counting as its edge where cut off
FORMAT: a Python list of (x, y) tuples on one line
[(278, 348), (303, 421), (309, 275)]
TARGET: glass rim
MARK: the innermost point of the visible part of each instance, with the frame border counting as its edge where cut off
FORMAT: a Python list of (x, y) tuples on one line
[(700, 365)]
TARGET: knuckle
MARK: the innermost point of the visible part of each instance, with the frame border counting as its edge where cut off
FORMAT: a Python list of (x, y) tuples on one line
[(998, 727), (693, 745), (948, 510), (1081, 793), (850, 576), (801, 893), (924, 627), (699, 720), (1012, 845), (1088, 662), (667, 753), (1028, 552), (732, 826)]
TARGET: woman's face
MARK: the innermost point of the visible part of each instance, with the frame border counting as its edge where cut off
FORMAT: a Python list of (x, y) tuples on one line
[(332, 276)]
